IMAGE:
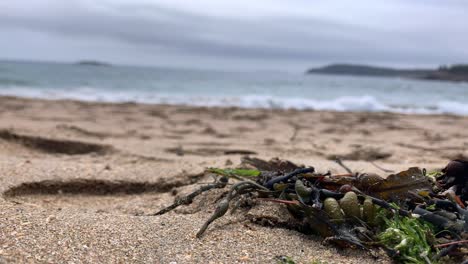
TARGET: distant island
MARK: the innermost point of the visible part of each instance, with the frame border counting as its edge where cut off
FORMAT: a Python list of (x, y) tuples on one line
[(458, 73), (92, 63)]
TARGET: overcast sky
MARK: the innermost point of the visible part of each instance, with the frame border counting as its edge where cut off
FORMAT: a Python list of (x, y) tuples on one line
[(242, 34)]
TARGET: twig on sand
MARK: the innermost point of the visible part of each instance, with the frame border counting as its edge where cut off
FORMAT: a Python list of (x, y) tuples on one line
[(412, 146), (219, 184), (451, 243), (295, 131), (381, 168), (339, 162)]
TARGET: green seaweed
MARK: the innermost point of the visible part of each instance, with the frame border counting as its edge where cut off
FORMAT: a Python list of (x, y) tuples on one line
[(410, 238), (434, 174)]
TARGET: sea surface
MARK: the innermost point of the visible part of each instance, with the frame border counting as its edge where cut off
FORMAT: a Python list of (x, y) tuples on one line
[(241, 89)]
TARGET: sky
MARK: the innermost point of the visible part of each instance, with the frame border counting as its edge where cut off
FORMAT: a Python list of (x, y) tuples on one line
[(248, 35)]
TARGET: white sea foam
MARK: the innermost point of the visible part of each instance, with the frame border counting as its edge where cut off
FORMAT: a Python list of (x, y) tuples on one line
[(457, 108), (364, 103), (211, 88)]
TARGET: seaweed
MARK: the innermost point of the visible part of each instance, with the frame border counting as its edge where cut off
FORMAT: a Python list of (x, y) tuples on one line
[(409, 238), (418, 222)]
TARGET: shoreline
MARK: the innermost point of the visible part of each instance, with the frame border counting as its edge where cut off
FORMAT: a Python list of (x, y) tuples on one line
[(232, 107), (68, 168)]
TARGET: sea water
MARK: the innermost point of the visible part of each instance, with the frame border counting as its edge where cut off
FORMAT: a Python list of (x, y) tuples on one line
[(241, 89)]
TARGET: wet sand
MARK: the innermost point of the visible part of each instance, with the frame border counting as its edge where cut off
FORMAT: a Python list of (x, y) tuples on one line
[(78, 178)]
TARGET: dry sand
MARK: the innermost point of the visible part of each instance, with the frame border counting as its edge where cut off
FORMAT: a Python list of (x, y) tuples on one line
[(64, 166)]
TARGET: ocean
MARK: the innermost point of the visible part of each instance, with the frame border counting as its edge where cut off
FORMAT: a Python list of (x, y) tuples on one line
[(225, 89)]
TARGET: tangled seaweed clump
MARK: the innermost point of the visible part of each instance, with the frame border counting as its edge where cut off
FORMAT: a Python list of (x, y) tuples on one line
[(414, 216), (410, 238)]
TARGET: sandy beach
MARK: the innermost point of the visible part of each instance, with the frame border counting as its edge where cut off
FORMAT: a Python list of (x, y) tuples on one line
[(77, 178)]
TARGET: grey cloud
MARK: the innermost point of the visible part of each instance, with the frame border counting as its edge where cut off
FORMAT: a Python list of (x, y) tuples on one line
[(179, 33)]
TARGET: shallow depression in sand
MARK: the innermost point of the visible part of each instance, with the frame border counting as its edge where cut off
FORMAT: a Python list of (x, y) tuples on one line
[(99, 196), (129, 204), (54, 146)]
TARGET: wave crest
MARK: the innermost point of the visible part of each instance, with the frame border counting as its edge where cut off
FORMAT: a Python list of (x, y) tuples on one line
[(364, 103)]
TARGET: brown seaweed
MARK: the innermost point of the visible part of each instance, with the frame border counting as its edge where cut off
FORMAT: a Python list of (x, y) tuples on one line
[(409, 195)]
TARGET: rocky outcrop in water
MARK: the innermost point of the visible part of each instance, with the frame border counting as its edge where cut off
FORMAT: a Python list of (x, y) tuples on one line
[(444, 73)]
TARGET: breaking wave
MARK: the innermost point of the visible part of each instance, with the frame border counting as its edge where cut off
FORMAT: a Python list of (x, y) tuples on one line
[(364, 103)]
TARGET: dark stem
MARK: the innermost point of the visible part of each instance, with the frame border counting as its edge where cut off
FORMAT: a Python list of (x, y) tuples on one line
[(381, 168), (343, 166), (286, 177), (189, 198)]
